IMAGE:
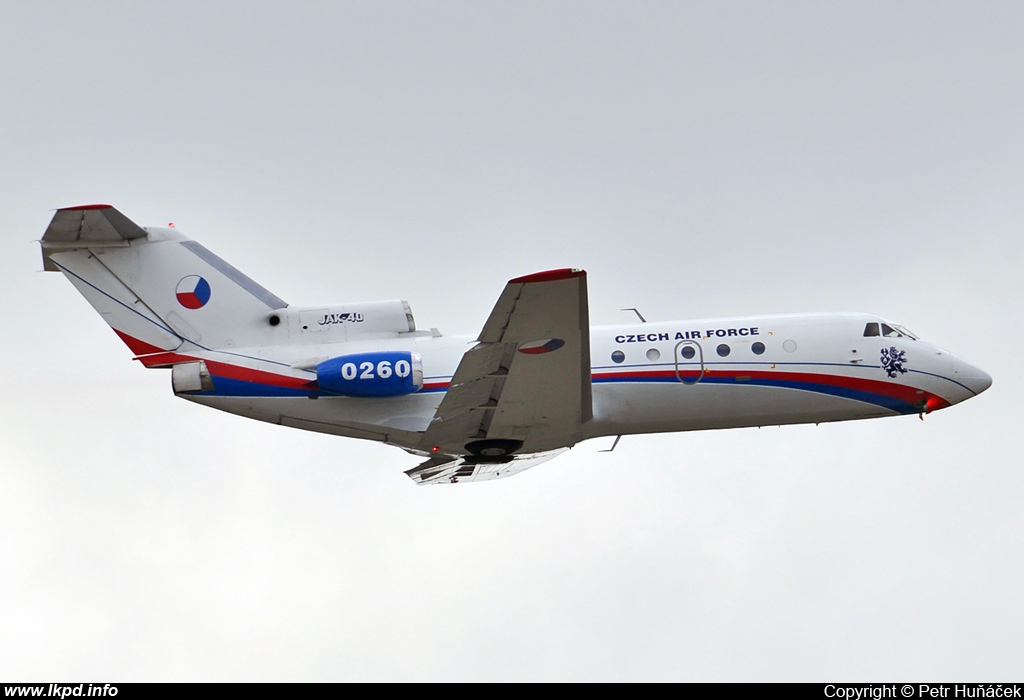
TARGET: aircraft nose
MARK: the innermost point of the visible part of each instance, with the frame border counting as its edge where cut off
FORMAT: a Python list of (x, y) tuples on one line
[(976, 379)]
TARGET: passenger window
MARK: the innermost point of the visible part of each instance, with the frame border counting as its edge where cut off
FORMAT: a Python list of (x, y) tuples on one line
[(757, 348), (654, 354), (618, 357), (890, 332), (688, 352), (871, 330), (723, 350)]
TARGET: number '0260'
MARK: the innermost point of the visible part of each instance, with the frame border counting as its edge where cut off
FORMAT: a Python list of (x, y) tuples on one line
[(365, 370)]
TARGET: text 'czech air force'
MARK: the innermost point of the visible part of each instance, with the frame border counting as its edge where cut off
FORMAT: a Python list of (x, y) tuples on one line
[(689, 335)]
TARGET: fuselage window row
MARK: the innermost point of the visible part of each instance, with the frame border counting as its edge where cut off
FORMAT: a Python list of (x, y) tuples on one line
[(688, 352)]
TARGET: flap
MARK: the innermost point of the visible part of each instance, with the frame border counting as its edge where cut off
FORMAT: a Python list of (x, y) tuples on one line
[(466, 469)]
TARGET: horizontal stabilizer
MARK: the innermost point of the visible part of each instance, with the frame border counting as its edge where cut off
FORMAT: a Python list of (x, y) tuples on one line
[(92, 225)]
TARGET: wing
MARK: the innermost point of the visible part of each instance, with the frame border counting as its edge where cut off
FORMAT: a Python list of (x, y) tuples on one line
[(525, 387)]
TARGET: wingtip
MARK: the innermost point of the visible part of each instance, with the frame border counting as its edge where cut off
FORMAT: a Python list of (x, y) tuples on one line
[(549, 275), (86, 207)]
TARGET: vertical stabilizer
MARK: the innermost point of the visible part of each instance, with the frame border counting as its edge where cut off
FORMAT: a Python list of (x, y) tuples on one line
[(158, 289)]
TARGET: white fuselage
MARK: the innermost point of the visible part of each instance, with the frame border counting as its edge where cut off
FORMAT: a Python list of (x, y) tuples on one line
[(647, 377)]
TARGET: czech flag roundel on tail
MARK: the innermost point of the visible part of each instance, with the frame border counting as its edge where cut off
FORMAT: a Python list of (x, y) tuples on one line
[(193, 292)]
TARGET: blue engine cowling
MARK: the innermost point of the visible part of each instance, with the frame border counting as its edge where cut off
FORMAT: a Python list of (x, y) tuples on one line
[(371, 374)]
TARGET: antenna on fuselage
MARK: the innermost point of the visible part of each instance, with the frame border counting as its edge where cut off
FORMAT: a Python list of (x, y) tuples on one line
[(617, 437), (634, 310)]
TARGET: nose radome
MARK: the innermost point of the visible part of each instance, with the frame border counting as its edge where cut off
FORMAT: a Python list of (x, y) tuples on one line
[(975, 379), (978, 380), (967, 381)]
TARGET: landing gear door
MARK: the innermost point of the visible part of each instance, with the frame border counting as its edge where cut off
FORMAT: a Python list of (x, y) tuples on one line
[(689, 361)]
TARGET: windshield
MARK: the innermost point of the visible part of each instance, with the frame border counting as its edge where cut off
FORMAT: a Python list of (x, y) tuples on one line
[(886, 330), (903, 330)]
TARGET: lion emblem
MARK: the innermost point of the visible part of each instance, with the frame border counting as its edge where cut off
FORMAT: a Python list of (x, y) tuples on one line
[(893, 362)]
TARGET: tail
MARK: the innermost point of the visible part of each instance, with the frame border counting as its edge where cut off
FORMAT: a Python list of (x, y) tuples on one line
[(157, 289)]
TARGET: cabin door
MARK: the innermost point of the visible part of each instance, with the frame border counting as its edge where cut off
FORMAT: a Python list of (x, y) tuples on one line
[(689, 361)]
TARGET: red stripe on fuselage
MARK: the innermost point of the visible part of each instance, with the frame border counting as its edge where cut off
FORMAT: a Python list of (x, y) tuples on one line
[(902, 392), (139, 347), (152, 356), (258, 376)]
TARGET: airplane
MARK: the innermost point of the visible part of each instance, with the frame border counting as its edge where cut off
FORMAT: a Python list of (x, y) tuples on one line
[(536, 380)]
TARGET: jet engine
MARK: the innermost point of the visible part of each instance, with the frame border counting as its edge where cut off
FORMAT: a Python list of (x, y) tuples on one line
[(371, 374)]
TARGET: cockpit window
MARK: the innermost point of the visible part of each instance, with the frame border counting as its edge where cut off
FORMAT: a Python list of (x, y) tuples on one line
[(873, 330), (904, 331), (890, 332)]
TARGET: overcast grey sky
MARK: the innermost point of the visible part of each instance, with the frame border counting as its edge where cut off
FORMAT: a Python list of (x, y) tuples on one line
[(697, 159)]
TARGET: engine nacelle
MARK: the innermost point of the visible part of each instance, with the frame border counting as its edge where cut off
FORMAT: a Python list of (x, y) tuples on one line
[(351, 320), (371, 374)]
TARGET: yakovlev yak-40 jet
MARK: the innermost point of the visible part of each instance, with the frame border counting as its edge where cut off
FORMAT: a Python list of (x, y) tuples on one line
[(537, 379)]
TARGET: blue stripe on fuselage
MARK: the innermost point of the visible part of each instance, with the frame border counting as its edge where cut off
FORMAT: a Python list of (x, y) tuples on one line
[(889, 402), (236, 387)]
